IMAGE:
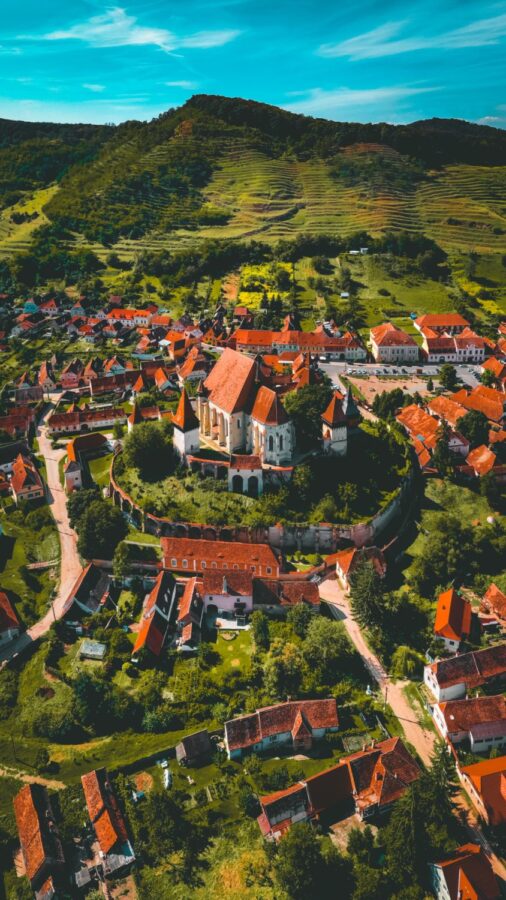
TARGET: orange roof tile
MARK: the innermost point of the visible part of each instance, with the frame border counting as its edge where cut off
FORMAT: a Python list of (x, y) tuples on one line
[(482, 460), (489, 779), (453, 616), (184, 417)]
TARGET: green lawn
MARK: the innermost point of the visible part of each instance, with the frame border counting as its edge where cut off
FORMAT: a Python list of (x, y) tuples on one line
[(235, 654), (99, 469), (19, 546)]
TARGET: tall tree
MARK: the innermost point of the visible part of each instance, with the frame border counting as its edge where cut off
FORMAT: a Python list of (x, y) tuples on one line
[(474, 426), (367, 596)]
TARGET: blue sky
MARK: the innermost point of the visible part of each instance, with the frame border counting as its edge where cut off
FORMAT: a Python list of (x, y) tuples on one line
[(86, 61)]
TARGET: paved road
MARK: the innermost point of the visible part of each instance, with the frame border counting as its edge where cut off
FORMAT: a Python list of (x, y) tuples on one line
[(70, 566), (421, 739)]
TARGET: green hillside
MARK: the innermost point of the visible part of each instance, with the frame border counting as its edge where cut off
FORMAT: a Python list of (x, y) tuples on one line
[(224, 168)]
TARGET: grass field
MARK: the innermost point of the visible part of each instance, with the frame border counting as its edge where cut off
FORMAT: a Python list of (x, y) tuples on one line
[(18, 549)]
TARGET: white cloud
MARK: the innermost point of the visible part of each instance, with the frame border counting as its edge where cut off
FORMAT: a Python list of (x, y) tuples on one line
[(387, 40), (115, 28), (318, 102), (205, 39), (9, 51), (96, 88), (185, 85)]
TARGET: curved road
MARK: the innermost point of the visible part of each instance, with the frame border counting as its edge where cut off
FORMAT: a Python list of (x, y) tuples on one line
[(70, 565), (421, 738)]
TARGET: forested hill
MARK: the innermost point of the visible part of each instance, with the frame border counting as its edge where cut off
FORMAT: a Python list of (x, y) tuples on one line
[(229, 168), (433, 141)]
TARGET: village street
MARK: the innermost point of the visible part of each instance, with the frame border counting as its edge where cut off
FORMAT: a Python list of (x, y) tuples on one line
[(422, 739), (70, 565)]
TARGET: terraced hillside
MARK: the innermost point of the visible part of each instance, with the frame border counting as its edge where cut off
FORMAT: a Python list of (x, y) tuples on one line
[(220, 168)]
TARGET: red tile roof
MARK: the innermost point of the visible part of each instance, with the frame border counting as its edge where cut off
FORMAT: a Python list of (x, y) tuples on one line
[(103, 810), (482, 460), (231, 381), (494, 600), (442, 320), (375, 777), (473, 669), (334, 414), (39, 841), (484, 399), (268, 408), (350, 558), (389, 335), (184, 417), (464, 715), (447, 409), (24, 475), (245, 731), (8, 617), (285, 591), (453, 616), (489, 779), (238, 583), (469, 874), (224, 553)]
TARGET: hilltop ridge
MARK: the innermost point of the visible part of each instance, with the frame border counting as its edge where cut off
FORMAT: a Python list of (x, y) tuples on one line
[(220, 167)]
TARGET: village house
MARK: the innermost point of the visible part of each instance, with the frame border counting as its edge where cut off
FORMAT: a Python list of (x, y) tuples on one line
[(489, 401), (41, 846), (297, 723), (71, 376), (494, 603), (497, 369), (276, 596), (389, 344), (114, 851), (478, 721), (10, 627), (367, 783), (442, 323), (453, 619), (130, 317), (464, 347), (483, 461), (9, 452), (89, 592), (346, 347), (25, 481), (46, 377), (346, 561), (190, 615), (446, 409), (156, 615), (423, 430), (485, 782), (451, 679), (196, 555), (77, 420), (466, 874), (195, 749), (16, 424), (79, 450)]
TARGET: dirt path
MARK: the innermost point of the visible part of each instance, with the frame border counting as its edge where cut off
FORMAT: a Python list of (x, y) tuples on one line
[(422, 739), (70, 566), (31, 779)]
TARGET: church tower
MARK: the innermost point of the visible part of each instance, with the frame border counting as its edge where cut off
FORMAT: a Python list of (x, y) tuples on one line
[(334, 427), (186, 428)]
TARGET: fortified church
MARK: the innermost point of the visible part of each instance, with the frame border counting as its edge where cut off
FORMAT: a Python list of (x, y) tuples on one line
[(240, 414)]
